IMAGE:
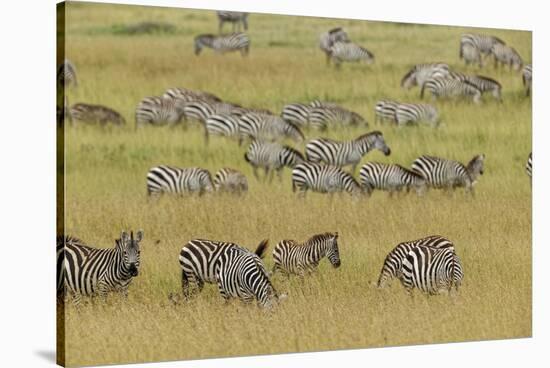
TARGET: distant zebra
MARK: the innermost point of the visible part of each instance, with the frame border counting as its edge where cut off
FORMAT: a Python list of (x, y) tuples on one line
[(159, 111), (66, 75), (198, 258), (385, 110), (451, 88), (224, 43), (328, 39), (292, 257), (449, 174), (345, 153), (235, 18), (474, 46), (325, 116), (420, 73), (298, 113), (506, 55), (527, 78), (390, 177), (83, 270), (529, 165), (88, 113), (470, 54), (484, 84), (415, 113), (202, 110), (272, 157), (323, 179), (350, 52), (268, 127), (225, 125), (166, 179), (189, 95), (230, 181)]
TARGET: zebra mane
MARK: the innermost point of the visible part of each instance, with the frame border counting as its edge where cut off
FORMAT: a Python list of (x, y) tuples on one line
[(318, 237), (369, 134), (335, 30), (69, 239)]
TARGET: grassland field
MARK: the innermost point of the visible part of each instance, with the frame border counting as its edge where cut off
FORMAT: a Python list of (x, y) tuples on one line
[(105, 191)]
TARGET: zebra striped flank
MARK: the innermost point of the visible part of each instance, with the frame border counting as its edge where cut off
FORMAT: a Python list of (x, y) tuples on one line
[(451, 88), (225, 125), (268, 127), (385, 110), (223, 43), (350, 52), (323, 117), (230, 181), (159, 111), (166, 179), (272, 157), (415, 113), (420, 73), (323, 179), (390, 177)]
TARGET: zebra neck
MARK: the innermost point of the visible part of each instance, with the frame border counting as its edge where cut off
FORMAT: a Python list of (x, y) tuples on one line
[(316, 251), (117, 267), (363, 146)]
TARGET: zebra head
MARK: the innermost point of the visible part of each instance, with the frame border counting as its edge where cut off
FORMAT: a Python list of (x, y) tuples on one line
[(333, 254), (129, 248), (475, 167), (204, 40), (409, 80), (373, 140)]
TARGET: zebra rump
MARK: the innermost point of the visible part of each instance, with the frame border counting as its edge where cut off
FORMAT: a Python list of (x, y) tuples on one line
[(323, 179), (166, 179)]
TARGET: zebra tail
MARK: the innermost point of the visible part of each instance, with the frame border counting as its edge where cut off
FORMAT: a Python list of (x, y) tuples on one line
[(262, 247)]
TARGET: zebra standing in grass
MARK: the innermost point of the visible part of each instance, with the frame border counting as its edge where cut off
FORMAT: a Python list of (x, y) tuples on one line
[(235, 18), (292, 257), (345, 153), (527, 78), (529, 165), (272, 157), (66, 75), (474, 46), (328, 39), (349, 52), (225, 125), (506, 55), (451, 88), (415, 113), (159, 111), (449, 174), (324, 116), (96, 114), (385, 110), (230, 181), (390, 177), (198, 259), (298, 113), (224, 43), (202, 110), (83, 270), (323, 179), (268, 127), (420, 73), (483, 84), (189, 95), (166, 179)]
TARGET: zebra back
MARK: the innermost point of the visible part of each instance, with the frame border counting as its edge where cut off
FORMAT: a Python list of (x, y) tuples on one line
[(323, 179)]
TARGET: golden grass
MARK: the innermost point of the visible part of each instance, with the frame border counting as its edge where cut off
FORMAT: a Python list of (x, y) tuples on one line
[(333, 309)]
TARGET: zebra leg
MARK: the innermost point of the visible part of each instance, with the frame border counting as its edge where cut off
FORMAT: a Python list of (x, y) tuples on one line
[(184, 285)]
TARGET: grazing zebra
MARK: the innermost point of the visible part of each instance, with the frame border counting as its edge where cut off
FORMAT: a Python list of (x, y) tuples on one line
[(202, 110), (272, 157), (324, 116), (235, 18), (392, 178), (506, 55), (345, 153), (292, 257), (198, 259), (225, 125), (529, 165), (159, 111), (527, 78), (298, 113), (451, 88), (415, 113), (420, 73), (189, 95), (96, 114), (328, 39), (83, 270), (385, 110), (350, 52), (268, 127), (230, 181), (449, 174), (166, 179), (470, 54), (484, 84), (473, 46), (224, 43), (323, 179), (66, 75)]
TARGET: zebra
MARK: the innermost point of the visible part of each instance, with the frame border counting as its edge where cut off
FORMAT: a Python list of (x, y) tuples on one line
[(420, 73), (159, 111), (470, 54), (225, 125), (527, 78), (323, 179), (167, 179), (448, 87), (414, 113), (202, 110), (96, 114), (269, 127), (506, 55), (449, 174), (198, 258), (474, 46), (529, 165), (349, 52), (484, 84), (223, 43), (345, 153), (235, 18), (66, 74), (324, 116), (390, 177), (272, 157), (298, 113), (328, 39), (189, 95), (385, 110), (292, 257), (230, 180), (86, 271)]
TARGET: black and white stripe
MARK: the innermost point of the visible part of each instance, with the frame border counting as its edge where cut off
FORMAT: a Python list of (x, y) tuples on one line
[(272, 157), (416, 113), (88, 113), (235, 18), (202, 110), (527, 78), (166, 179), (451, 88), (86, 271), (420, 73), (268, 127), (224, 43), (328, 39), (529, 165), (390, 177), (349, 52), (66, 75), (474, 46), (345, 153), (225, 125), (323, 179), (189, 95), (484, 84), (159, 111), (506, 55), (230, 181), (385, 110), (323, 117), (298, 113)]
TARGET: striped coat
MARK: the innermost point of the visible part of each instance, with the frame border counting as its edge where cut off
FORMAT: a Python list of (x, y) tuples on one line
[(323, 179), (166, 179), (224, 43)]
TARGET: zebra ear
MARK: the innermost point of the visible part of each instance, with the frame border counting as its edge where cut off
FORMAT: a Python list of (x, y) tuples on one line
[(336, 235), (139, 235), (124, 236)]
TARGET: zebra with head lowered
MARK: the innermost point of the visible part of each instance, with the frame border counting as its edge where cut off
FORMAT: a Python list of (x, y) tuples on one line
[(272, 157), (527, 78), (323, 179), (349, 52), (506, 55), (88, 113), (201, 110), (166, 179), (83, 270), (390, 177), (230, 181), (451, 88), (449, 174), (474, 46), (345, 153), (328, 39), (223, 43), (66, 75), (268, 127), (159, 111), (420, 73), (385, 110), (235, 18), (325, 116), (225, 125), (483, 84), (298, 113), (292, 257), (414, 113)]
